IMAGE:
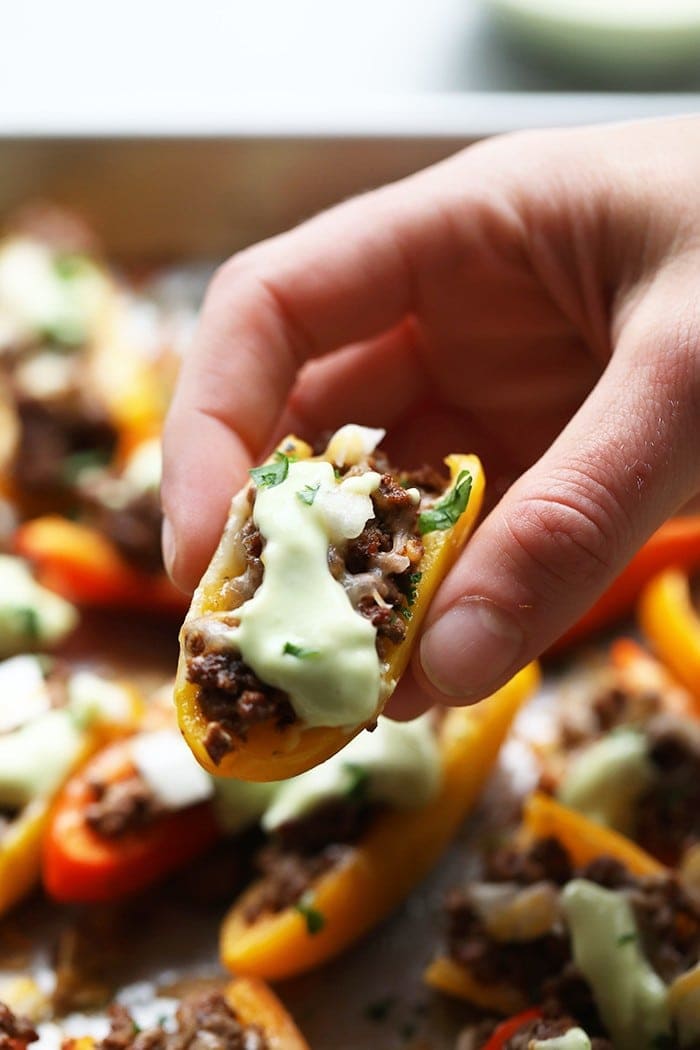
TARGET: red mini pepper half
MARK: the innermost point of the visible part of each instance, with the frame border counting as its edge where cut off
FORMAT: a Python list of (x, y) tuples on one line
[(77, 562), (676, 543), (80, 865), (508, 1028)]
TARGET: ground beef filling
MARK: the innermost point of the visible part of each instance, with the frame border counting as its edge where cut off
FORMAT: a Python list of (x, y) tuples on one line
[(305, 849), (549, 1028), (14, 1030), (134, 525), (668, 814), (203, 1020), (121, 807), (50, 434), (377, 571), (542, 968)]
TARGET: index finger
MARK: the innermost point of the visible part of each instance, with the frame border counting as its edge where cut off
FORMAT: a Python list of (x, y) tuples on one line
[(338, 278)]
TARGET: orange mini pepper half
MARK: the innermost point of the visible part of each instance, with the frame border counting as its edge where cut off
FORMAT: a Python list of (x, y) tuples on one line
[(79, 563), (400, 847), (583, 839), (447, 976), (676, 543), (268, 752), (80, 865), (671, 623)]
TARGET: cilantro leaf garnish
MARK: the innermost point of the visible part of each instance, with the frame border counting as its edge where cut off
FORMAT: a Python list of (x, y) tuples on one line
[(308, 494), (447, 510), (290, 649), (30, 622), (315, 920), (413, 581), (627, 938), (271, 474), (358, 781)]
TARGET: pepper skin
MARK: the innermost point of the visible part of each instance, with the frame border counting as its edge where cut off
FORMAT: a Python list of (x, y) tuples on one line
[(269, 753), (671, 623), (80, 564), (397, 851), (80, 865), (504, 1031), (21, 845), (676, 543)]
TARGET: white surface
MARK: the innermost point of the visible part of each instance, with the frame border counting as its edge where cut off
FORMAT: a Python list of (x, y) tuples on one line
[(231, 65)]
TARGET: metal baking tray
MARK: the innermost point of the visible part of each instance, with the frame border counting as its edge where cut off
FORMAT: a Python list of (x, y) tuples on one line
[(187, 197)]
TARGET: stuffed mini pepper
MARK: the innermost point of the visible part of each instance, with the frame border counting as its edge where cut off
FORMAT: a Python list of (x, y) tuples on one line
[(305, 619), (626, 752), (51, 719), (590, 944)]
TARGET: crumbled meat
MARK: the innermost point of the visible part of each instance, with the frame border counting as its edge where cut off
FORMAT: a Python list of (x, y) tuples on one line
[(545, 861), (336, 820), (668, 813), (287, 877), (375, 569), (14, 1029), (133, 526), (540, 1028), (668, 919), (203, 1022), (50, 434), (304, 849), (426, 479), (232, 698), (121, 807)]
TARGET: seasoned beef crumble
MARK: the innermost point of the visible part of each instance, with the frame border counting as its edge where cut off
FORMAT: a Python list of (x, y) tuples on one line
[(376, 570), (202, 1020), (14, 1029), (134, 526), (121, 807)]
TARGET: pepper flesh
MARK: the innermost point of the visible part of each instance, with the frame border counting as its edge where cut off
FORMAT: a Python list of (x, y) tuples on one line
[(269, 753), (399, 848), (81, 865), (671, 623), (676, 543), (80, 564), (21, 845), (583, 839)]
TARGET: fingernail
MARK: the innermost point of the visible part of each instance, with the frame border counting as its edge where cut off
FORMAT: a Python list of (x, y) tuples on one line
[(167, 540), (470, 648)]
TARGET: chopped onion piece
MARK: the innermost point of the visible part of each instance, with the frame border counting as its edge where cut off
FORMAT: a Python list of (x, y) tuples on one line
[(172, 773), (353, 443)]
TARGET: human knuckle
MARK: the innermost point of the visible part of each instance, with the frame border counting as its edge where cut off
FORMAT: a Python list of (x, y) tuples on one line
[(569, 533)]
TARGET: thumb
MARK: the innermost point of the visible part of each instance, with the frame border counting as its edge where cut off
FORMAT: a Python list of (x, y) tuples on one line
[(624, 464)]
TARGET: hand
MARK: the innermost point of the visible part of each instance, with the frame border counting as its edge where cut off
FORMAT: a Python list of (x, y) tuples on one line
[(533, 300)]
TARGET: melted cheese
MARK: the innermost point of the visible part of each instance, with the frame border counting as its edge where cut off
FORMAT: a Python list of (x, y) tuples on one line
[(574, 1039), (299, 631), (30, 615)]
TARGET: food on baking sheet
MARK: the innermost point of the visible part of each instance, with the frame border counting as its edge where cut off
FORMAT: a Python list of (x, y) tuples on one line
[(144, 807), (671, 622), (246, 1015), (590, 942), (31, 617), (626, 752), (87, 361), (305, 619), (110, 557), (51, 719), (338, 865)]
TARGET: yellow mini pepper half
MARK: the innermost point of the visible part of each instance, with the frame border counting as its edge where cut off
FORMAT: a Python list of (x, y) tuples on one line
[(269, 753), (400, 847), (672, 625)]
